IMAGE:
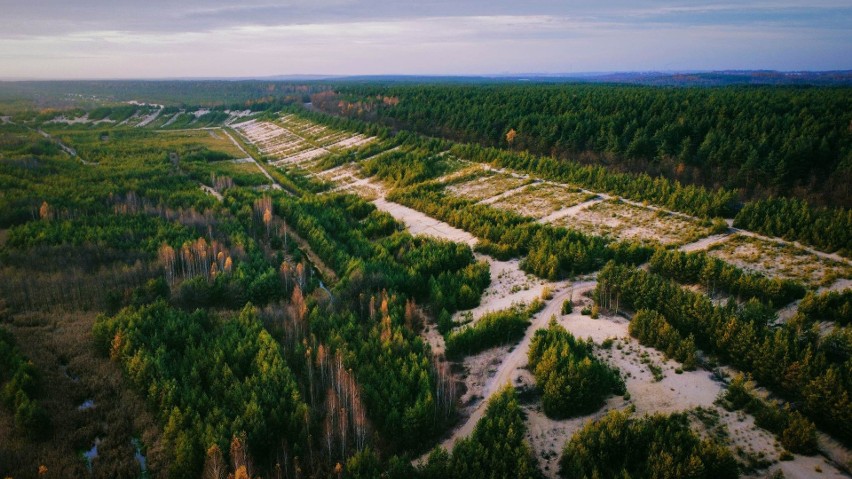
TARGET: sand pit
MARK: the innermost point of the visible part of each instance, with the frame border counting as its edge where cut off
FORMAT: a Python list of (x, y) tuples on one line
[(509, 285)]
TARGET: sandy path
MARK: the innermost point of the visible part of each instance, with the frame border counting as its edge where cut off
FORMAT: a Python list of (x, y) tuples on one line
[(418, 223), (249, 157), (173, 119), (705, 243), (149, 119), (509, 285), (213, 192), (506, 194), (570, 211), (67, 149)]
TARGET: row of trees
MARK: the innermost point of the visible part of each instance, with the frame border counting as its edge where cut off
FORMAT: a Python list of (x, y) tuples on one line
[(407, 166), (833, 306), (829, 229), (792, 359), (715, 274), (620, 445), (663, 192), (571, 380), (351, 235), (652, 329), (763, 140)]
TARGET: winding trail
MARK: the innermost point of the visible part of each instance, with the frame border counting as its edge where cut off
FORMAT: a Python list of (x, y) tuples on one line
[(67, 149), (513, 363)]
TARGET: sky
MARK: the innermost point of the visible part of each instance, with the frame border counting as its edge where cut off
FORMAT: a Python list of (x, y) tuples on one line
[(62, 39)]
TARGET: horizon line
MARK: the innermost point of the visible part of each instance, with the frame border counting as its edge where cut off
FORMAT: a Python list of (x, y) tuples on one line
[(337, 76)]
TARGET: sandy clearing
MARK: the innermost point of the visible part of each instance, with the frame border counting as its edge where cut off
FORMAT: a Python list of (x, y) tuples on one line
[(675, 392), (629, 222), (782, 260), (542, 199), (838, 285), (509, 285), (487, 186)]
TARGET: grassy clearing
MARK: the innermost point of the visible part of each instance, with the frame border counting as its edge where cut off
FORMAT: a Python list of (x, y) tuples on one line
[(542, 199), (780, 260), (624, 221), (214, 140)]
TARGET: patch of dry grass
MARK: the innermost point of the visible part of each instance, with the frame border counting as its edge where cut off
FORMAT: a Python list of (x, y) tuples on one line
[(780, 260)]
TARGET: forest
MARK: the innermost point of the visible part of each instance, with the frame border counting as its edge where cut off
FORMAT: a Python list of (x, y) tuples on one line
[(164, 299)]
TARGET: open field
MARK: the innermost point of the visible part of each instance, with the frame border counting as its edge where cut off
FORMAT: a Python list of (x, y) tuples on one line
[(625, 221), (781, 260), (213, 139)]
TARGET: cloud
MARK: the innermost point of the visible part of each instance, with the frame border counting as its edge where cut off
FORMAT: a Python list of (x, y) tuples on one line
[(255, 38)]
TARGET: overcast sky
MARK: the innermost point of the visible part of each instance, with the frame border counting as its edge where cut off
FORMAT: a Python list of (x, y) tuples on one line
[(195, 38)]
